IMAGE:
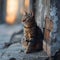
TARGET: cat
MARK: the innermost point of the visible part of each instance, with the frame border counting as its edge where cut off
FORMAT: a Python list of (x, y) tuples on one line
[(33, 35)]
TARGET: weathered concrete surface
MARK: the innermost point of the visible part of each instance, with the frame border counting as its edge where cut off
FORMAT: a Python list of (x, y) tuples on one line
[(17, 51)]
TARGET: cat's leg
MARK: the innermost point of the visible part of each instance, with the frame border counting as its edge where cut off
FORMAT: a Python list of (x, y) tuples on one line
[(24, 42), (31, 46), (39, 46), (34, 46)]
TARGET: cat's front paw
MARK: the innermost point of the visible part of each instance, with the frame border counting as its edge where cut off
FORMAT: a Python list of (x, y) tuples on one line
[(25, 43), (28, 50)]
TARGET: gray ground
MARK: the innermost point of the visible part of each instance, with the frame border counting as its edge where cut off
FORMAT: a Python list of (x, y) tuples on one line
[(15, 50)]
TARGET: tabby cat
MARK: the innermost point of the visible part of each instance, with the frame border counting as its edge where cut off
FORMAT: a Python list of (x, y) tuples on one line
[(33, 36)]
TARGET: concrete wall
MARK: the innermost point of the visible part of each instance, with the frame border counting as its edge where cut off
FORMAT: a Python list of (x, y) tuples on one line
[(42, 8), (50, 8), (39, 12), (3, 10), (55, 35)]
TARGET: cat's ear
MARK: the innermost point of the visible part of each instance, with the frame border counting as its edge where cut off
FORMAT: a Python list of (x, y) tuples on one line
[(31, 12), (24, 13)]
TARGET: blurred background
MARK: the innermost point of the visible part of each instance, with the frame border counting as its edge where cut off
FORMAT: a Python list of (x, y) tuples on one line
[(10, 23), (11, 10)]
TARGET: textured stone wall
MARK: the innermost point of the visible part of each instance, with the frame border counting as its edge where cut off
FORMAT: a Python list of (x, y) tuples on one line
[(39, 12), (42, 9), (50, 8), (54, 18), (55, 34), (58, 24)]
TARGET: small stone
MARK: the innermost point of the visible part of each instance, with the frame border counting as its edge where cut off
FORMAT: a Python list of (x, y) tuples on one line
[(12, 59), (22, 51)]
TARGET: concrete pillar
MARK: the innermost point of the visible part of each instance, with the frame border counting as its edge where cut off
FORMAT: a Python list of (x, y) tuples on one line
[(51, 9), (54, 45)]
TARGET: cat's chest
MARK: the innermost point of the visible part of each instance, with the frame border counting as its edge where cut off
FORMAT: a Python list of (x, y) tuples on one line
[(30, 32)]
